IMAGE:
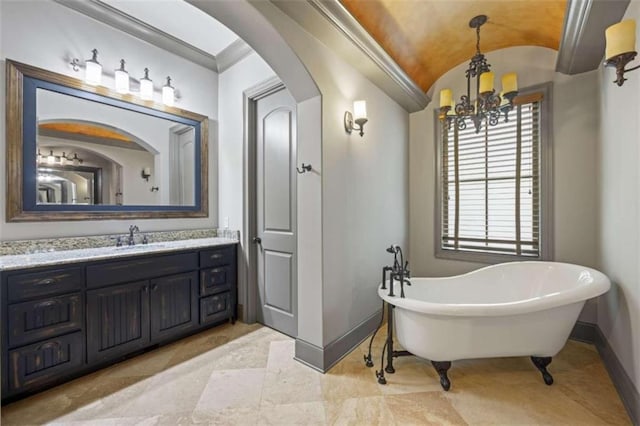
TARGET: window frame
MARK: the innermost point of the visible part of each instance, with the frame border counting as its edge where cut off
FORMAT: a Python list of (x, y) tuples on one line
[(545, 173)]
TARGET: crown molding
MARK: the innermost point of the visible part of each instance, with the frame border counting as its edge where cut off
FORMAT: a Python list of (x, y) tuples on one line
[(582, 45), (115, 18), (340, 17), (361, 51), (232, 54)]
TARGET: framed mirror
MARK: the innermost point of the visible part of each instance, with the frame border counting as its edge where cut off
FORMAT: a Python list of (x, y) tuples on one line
[(79, 152)]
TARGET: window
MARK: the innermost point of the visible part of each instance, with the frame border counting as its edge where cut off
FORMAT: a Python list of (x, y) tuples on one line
[(494, 194)]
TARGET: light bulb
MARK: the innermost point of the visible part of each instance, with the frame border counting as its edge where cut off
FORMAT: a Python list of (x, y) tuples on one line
[(51, 159), (93, 70), (63, 159)]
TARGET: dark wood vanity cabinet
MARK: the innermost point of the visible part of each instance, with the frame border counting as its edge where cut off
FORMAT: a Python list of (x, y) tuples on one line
[(58, 323)]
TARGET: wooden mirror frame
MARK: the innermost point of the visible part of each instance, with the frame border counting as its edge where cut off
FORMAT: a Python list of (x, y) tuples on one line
[(17, 210)]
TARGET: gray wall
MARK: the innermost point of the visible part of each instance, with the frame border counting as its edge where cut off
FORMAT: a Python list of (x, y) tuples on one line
[(364, 185), (575, 134), (619, 216), (48, 35)]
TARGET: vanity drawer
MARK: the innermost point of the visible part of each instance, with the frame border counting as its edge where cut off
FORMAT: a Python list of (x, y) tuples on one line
[(45, 283), (215, 308), (140, 269), (41, 363), (216, 280), (218, 256), (44, 318)]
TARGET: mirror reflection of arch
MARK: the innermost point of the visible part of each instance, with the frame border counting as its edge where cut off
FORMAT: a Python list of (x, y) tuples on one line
[(122, 149)]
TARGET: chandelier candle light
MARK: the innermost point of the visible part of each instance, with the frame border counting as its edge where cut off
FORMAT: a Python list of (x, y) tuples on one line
[(488, 105)]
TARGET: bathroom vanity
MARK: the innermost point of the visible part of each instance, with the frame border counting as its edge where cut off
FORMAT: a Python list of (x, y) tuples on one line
[(62, 320)]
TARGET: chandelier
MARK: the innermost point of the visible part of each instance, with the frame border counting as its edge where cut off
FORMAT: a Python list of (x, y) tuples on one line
[(487, 106)]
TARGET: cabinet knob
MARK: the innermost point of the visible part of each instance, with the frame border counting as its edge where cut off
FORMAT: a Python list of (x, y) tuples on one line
[(145, 288), (257, 240), (154, 287)]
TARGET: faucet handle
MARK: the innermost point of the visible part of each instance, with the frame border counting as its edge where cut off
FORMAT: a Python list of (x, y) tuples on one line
[(145, 240), (118, 239)]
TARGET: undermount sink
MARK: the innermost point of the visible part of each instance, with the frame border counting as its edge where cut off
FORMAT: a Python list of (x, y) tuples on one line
[(140, 247)]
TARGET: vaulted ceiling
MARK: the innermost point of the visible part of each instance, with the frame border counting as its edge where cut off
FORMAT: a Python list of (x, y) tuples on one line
[(427, 38)]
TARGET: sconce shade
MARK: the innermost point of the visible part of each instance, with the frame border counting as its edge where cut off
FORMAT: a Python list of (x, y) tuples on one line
[(446, 98), (360, 110), (146, 86), (93, 70), (486, 82), (621, 38), (122, 79), (168, 93)]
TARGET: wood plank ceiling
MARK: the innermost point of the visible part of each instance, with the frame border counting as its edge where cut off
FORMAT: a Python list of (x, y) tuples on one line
[(427, 38)]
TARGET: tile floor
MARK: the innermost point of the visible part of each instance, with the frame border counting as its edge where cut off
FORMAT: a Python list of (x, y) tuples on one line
[(245, 375)]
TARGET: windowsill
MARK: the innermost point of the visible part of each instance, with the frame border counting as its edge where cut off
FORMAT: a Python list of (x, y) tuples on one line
[(486, 258)]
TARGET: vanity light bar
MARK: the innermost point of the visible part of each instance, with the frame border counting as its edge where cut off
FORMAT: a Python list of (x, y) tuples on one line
[(94, 71)]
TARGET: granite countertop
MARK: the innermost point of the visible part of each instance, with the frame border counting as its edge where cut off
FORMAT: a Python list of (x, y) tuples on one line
[(49, 258)]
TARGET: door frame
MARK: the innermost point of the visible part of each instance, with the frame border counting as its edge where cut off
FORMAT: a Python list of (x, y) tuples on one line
[(247, 268)]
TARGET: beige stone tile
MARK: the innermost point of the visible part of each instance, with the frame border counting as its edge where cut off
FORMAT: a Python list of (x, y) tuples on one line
[(349, 380), (144, 365), (170, 392), (281, 354), (368, 411), (591, 387), (309, 413), (242, 416), (109, 397), (411, 376), (517, 405), (424, 408), (294, 384), (232, 389)]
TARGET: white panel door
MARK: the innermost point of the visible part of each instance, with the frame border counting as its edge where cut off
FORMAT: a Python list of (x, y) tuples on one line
[(276, 211)]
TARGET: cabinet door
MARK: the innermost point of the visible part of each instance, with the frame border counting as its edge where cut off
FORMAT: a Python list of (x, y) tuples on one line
[(174, 305), (44, 362), (44, 318), (117, 320)]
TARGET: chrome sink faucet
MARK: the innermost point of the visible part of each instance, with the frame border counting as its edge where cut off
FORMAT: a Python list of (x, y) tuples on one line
[(131, 240)]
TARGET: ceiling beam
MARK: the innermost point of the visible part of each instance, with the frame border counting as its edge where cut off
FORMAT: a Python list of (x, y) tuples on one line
[(583, 43)]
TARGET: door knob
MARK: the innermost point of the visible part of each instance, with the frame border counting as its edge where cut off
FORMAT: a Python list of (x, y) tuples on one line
[(257, 240)]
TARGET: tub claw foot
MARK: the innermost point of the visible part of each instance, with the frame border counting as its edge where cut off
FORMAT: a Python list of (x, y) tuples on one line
[(389, 369), (367, 361), (541, 364), (442, 367), (381, 379)]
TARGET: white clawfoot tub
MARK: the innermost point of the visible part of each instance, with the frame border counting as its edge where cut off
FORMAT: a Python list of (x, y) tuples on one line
[(509, 309)]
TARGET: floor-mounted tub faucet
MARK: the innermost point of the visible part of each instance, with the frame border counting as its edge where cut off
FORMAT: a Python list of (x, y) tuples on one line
[(400, 270)]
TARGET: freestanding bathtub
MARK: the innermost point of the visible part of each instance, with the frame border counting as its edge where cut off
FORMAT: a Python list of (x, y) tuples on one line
[(509, 309)]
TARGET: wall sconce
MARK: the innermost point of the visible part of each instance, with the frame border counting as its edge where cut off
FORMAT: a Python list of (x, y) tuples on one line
[(621, 48), (168, 93), (93, 70), (146, 86), (146, 172), (359, 117), (122, 79)]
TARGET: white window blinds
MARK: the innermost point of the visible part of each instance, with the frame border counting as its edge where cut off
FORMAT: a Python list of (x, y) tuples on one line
[(490, 185)]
